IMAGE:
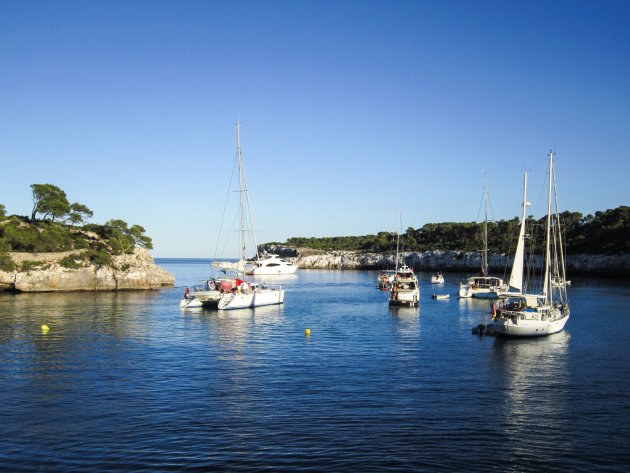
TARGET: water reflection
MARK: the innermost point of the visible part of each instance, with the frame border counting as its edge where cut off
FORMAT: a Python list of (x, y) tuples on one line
[(532, 392)]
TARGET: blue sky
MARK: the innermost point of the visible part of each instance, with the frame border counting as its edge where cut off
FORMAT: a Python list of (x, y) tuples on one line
[(349, 111)]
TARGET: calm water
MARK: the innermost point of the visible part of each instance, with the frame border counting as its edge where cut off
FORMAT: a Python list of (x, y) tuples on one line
[(128, 382)]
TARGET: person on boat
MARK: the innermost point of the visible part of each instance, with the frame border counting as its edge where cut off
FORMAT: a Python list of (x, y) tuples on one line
[(186, 293)]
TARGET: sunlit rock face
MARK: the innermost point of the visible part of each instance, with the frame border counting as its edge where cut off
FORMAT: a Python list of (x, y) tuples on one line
[(136, 271), (448, 261)]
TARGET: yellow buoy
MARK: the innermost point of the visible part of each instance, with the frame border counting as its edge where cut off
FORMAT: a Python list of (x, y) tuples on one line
[(45, 328), (307, 332)]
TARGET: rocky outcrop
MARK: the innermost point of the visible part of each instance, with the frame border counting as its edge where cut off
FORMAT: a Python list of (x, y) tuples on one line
[(449, 261), (136, 271)]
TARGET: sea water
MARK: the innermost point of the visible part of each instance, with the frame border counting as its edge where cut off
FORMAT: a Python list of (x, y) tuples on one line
[(130, 382)]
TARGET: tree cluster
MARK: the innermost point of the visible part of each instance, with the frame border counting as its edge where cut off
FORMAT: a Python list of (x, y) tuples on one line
[(57, 229), (51, 202)]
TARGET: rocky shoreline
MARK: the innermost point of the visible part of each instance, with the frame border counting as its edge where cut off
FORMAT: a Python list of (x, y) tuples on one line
[(448, 261), (136, 271)]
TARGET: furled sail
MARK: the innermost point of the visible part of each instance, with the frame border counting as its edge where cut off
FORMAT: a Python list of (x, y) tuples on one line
[(516, 276)]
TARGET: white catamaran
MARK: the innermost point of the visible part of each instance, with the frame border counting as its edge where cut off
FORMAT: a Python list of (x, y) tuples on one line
[(233, 291), (483, 286), (533, 315)]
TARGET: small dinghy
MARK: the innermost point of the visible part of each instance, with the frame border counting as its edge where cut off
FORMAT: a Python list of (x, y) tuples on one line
[(440, 296)]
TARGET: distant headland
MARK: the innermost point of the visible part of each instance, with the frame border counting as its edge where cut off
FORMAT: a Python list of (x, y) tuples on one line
[(55, 250), (596, 245)]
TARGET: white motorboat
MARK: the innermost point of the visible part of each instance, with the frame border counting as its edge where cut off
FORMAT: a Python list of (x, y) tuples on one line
[(483, 286), (437, 278), (441, 297), (404, 289), (235, 292), (534, 315), (270, 265)]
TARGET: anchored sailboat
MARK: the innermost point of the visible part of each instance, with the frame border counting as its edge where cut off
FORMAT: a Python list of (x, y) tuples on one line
[(404, 289), (532, 315), (235, 292)]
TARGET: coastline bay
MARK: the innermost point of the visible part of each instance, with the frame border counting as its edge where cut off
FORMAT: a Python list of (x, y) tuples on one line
[(125, 381)]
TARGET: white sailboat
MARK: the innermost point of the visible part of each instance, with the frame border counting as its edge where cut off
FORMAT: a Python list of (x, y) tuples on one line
[(534, 315), (483, 286), (404, 289), (234, 291)]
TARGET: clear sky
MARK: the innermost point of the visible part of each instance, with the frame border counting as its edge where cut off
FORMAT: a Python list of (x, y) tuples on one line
[(349, 110)]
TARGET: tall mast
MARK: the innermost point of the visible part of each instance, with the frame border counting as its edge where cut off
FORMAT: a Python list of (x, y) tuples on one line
[(485, 250), (562, 270), (240, 189), (398, 240), (546, 292)]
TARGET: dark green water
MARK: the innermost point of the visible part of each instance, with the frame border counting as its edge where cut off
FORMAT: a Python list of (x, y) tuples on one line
[(129, 382)]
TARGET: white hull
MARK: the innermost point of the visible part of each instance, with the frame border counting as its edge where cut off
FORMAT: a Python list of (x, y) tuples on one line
[(531, 325), (272, 271), (190, 303), (200, 299), (437, 279), (270, 265), (408, 298), (485, 293), (231, 301)]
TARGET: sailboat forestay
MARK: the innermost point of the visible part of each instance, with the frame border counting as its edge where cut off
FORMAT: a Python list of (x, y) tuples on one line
[(234, 291), (534, 315)]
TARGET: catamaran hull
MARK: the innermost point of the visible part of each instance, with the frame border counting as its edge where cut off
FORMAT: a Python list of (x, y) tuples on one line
[(529, 328), (201, 299), (485, 294), (255, 299)]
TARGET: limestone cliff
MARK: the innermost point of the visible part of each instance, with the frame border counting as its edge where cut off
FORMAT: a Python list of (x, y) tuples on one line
[(448, 261), (136, 271)]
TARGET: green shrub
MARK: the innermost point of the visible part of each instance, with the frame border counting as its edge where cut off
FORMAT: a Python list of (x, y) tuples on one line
[(72, 261), (28, 265), (6, 262), (98, 257)]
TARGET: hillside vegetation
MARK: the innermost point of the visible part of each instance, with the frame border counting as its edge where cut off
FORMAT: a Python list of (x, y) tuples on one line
[(55, 225), (606, 232)]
